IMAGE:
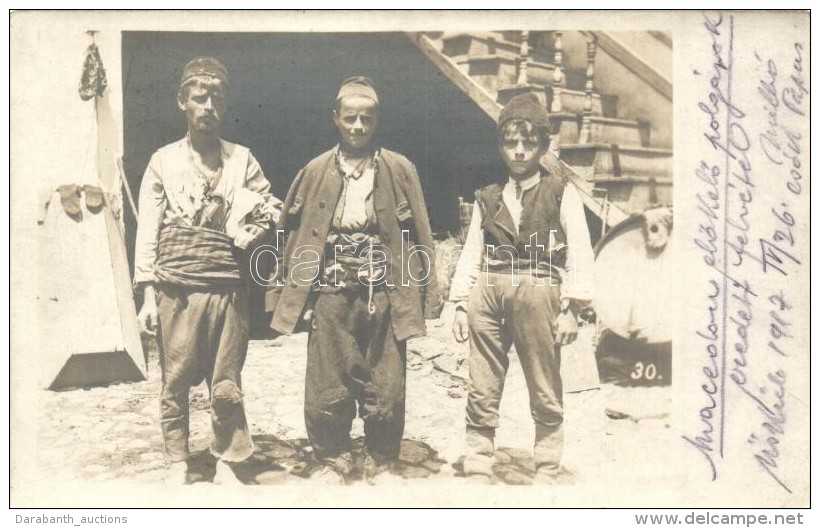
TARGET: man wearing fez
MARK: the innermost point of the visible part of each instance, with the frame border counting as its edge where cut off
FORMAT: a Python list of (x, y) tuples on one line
[(362, 291), (528, 254), (202, 201)]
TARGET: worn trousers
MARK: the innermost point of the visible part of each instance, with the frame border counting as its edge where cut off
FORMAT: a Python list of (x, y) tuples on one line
[(354, 362), (507, 310), (203, 336)]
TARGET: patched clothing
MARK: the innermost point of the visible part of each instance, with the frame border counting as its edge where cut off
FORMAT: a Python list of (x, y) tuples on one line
[(398, 202), (202, 292), (374, 294)]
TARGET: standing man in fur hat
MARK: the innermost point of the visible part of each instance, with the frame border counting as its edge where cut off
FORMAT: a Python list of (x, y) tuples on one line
[(528, 254), (202, 201), (359, 269)]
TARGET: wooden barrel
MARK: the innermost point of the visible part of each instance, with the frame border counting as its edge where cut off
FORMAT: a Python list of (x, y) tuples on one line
[(633, 300)]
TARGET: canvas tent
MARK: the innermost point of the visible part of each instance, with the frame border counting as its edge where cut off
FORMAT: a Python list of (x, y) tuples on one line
[(86, 324)]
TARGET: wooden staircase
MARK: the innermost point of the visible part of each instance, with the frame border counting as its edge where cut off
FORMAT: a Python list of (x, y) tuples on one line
[(610, 158)]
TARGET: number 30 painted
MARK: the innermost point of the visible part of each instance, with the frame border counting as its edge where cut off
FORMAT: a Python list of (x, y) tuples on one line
[(648, 372)]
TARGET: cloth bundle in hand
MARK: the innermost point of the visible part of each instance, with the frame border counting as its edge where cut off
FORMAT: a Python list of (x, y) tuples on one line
[(249, 207)]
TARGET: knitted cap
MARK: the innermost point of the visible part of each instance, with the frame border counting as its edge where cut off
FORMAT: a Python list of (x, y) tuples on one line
[(204, 66), (358, 86), (525, 106)]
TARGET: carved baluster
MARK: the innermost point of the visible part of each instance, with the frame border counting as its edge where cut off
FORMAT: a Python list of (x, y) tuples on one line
[(524, 59), (586, 124), (558, 74)]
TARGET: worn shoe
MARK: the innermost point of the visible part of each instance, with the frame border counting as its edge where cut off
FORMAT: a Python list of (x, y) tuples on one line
[(375, 472), (479, 464), (479, 452)]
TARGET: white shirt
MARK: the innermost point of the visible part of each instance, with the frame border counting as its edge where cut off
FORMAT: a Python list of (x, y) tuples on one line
[(169, 192), (578, 283), (357, 190)]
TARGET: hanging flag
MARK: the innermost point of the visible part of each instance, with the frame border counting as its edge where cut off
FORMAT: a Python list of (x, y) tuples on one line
[(93, 81)]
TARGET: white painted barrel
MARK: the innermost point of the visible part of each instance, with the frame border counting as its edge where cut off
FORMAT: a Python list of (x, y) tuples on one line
[(634, 282)]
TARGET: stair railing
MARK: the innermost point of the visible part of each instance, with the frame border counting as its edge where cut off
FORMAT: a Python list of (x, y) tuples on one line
[(586, 121), (524, 59), (558, 80), (609, 212)]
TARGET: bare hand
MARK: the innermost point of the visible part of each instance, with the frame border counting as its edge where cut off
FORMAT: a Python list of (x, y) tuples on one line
[(566, 328), (460, 326), (147, 318), (249, 235)]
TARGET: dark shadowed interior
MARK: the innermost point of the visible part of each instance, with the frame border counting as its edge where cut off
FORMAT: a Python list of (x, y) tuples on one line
[(281, 94), (282, 90)]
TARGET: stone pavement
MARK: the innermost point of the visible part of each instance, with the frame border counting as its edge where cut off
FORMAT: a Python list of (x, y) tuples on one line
[(112, 433)]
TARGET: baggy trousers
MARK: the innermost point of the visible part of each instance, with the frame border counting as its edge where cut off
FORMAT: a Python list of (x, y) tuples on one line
[(507, 309), (354, 359), (203, 335)]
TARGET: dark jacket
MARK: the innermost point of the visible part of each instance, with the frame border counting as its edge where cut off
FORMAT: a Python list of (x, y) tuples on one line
[(399, 204)]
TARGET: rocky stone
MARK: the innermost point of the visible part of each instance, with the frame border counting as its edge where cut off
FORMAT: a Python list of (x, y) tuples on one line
[(414, 452), (512, 474), (433, 464), (426, 348), (114, 433)]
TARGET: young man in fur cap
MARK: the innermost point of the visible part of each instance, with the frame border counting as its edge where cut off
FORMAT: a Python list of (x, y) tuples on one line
[(529, 258), (365, 288), (202, 201)]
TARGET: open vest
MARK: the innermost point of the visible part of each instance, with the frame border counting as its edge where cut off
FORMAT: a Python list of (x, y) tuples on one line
[(540, 240)]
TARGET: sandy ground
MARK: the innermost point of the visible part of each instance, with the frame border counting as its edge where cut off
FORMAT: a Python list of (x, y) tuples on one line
[(112, 433)]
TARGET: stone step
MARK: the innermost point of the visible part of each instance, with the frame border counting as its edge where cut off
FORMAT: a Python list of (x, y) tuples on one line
[(622, 132), (604, 161)]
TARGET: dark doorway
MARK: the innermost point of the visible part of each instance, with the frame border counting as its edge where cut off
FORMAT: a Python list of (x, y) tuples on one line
[(282, 89)]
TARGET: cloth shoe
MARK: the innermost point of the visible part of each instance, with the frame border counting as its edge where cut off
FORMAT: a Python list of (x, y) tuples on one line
[(549, 445), (480, 452), (374, 471)]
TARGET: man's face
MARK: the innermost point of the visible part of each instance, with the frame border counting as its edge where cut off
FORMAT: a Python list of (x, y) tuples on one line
[(356, 119), (521, 148), (204, 105)]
